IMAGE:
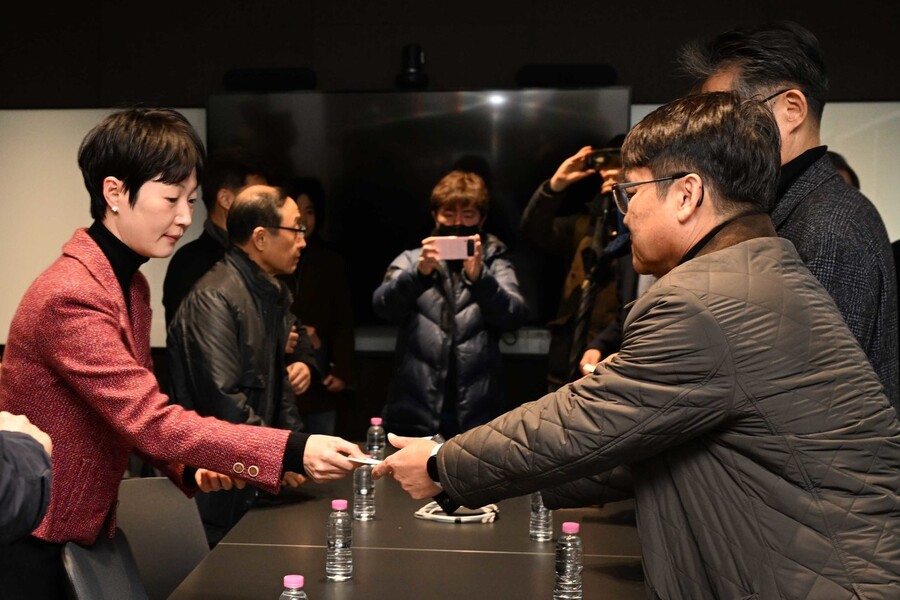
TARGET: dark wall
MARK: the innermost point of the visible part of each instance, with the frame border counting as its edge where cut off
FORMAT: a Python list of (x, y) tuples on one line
[(111, 53)]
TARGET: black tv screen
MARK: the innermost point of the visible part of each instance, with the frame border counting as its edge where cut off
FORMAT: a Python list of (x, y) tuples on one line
[(379, 154)]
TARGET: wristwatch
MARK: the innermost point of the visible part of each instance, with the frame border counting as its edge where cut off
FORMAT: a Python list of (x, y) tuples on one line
[(431, 465), (443, 500)]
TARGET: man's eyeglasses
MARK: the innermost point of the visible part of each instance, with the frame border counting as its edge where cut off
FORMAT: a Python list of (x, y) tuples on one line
[(298, 231), (776, 94), (622, 197)]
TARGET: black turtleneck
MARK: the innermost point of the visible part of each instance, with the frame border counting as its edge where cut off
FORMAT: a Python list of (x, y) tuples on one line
[(792, 170), (124, 261)]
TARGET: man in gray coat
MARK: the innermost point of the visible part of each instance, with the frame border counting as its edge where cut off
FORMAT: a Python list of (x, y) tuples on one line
[(758, 443), (837, 231)]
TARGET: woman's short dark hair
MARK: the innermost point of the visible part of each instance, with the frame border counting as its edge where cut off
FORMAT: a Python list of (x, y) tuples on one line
[(136, 146), (313, 188), (258, 206), (733, 144)]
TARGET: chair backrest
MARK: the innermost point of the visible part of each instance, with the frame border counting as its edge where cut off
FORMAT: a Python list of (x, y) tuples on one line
[(105, 569), (165, 532)]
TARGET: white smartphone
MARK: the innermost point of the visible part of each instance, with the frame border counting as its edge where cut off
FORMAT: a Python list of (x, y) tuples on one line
[(454, 247)]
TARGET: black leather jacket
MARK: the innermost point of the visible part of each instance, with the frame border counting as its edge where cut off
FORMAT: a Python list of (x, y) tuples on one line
[(226, 346)]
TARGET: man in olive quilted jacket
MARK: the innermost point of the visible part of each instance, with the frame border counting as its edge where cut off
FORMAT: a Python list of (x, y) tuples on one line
[(757, 440)]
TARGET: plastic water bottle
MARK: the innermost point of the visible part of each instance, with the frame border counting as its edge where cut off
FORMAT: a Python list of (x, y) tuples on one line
[(339, 533), (375, 439), (540, 525), (293, 588), (363, 494), (568, 563)]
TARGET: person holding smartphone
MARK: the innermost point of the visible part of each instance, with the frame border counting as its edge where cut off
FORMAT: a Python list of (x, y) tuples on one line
[(452, 299)]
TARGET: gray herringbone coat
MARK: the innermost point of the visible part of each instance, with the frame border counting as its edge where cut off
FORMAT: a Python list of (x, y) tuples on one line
[(840, 236)]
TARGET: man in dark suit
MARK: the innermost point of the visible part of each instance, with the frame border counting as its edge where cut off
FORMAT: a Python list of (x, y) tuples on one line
[(837, 231)]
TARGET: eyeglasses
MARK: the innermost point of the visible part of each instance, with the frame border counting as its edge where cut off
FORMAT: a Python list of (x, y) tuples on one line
[(776, 94), (622, 197), (298, 231)]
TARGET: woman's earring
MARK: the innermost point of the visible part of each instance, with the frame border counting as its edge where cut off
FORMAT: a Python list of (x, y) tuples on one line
[(115, 209)]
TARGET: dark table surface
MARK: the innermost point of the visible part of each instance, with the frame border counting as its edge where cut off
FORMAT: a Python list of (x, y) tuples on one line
[(399, 556)]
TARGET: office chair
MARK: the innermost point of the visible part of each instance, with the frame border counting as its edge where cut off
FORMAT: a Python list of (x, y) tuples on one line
[(165, 532), (105, 569)]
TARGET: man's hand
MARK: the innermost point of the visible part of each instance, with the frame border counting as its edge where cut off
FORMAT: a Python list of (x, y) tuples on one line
[(293, 338), (333, 384), (571, 170), (589, 360), (407, 466), (313, 336), (292, 479), (299, 377), (210, 481), (325, 457), (429, 257), (21, 424), (472, 265)]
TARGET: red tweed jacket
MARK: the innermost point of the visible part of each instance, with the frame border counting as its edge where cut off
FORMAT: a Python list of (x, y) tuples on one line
[(78, 366)]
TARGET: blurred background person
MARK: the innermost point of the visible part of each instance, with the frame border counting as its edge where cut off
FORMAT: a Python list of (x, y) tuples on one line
[(451, 313), (845, 170), (227, 173), (323, 304), (594, 243)]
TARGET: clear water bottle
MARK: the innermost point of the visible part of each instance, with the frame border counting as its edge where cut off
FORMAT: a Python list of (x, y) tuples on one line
[(339, 534), (363, 494), (293, 588), (568, 563), (540, 525), (376, 439)]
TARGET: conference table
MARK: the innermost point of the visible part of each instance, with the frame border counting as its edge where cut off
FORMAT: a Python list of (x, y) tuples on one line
[(398, 556)]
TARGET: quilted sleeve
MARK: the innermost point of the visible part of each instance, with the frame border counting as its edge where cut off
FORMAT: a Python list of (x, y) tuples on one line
[(671, 381)]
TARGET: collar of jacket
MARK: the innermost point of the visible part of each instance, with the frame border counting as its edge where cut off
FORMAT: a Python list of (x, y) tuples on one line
[(85, 250), (216, 233), (741, 229), (793, 183), (263, 287)]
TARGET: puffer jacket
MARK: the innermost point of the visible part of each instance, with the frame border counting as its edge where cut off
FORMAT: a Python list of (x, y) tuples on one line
[(226, 346), (443, 314), (763, 454)]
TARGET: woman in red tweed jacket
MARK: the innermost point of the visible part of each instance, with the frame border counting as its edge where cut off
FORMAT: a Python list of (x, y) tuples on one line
[(77, 361)]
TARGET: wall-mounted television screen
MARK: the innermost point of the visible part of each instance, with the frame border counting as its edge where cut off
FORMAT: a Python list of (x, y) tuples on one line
[(379, 154)]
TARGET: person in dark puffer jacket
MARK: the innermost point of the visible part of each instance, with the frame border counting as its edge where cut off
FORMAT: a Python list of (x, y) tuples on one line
[(451, 314)]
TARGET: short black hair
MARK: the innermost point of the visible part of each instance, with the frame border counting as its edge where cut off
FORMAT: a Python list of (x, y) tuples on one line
[(733, 144), (258, 206), (766, 59), (229, 168), (138, 145), (840, 163)]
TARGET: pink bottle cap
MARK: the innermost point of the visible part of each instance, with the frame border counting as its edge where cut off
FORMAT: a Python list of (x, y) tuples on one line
[(375, 420), (293, 581), (571, 527), (341, 505)]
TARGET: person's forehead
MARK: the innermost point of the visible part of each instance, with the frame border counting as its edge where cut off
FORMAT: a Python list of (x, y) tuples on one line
[(289, 211), (637, 174), (462, 205)]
